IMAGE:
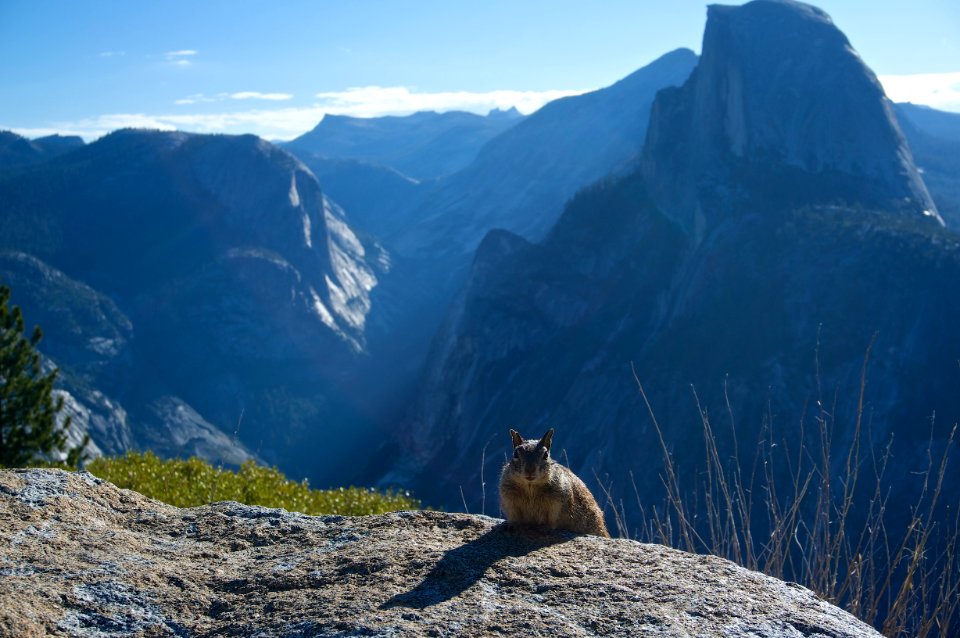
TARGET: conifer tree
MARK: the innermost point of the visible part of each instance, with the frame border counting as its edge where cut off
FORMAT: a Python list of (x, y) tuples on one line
[(28, 412)]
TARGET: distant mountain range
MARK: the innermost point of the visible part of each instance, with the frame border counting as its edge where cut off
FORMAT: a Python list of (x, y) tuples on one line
[(937, 124), (423, 146), (19, 151)]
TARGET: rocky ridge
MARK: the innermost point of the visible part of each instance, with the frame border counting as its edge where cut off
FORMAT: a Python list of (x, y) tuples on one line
[(80, 557), (16, 151)]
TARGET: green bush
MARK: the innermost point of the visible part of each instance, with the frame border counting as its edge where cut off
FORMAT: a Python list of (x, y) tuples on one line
[(193, 482)]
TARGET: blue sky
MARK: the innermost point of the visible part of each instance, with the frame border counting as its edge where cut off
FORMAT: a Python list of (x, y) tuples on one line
[(274, 68)]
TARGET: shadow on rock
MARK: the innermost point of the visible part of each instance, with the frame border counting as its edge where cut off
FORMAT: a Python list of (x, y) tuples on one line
[(463, 566)]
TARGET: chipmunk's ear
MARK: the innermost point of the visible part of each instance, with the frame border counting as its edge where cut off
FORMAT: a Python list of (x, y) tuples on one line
[(517, 439), (547, 439)]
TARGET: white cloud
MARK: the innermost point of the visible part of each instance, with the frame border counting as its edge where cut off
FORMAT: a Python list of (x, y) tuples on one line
[(256, 95), (181, 57), (198, 98), (112, 54), (289, 122), (938, 90)]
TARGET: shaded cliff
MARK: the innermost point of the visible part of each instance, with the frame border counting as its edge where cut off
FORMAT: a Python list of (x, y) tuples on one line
[(230, 569)]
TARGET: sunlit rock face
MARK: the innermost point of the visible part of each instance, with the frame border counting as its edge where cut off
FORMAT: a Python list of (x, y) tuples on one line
[(779, 100)]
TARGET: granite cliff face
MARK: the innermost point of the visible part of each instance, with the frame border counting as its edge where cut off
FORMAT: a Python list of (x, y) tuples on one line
[(769, 296), (79, 557), (238, 291), (779, 97)]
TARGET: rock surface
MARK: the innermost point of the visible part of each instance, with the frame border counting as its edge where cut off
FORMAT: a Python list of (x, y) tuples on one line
[(80, 557)]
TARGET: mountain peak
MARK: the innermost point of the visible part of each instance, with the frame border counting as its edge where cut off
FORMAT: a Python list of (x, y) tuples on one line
[(779, 94), (510, 113)]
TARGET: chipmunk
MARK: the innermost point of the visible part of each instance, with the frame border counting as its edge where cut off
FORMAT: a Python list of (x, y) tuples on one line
[(536, 490)]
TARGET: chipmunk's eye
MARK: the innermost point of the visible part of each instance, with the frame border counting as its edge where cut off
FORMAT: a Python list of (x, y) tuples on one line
[(516, 453), (545, 453)]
